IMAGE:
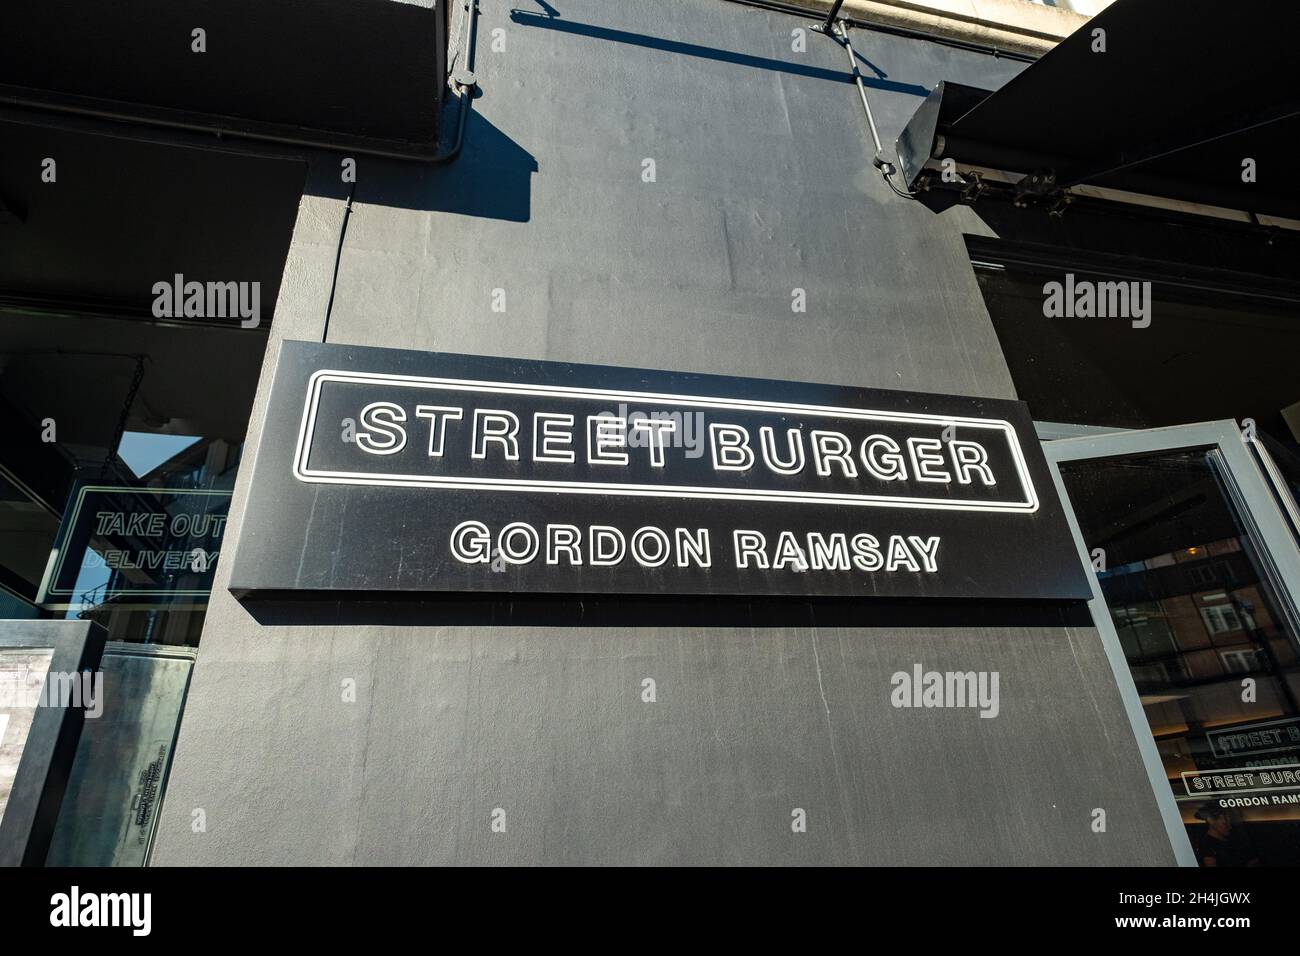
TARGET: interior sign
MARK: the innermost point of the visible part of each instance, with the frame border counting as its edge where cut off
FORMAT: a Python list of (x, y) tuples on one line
[(415, 471), (135, 545)]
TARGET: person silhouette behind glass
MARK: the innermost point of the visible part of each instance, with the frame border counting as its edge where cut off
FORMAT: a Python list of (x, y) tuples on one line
[(1225, 841)]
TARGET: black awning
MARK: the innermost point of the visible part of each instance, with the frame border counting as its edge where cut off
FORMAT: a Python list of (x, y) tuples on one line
[(364, 75), (1182, 94)]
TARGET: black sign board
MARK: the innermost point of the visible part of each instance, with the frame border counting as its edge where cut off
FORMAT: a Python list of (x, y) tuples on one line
[(383, 470)]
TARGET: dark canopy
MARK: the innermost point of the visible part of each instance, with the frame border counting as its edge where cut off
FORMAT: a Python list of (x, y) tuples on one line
[(1182, 95)]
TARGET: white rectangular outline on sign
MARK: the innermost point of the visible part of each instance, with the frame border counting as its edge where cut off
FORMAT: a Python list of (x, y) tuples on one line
[(1214, 735), (318, 378), (1229, 771)]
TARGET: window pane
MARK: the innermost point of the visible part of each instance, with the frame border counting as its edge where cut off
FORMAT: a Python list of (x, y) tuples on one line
[(1213, 658)]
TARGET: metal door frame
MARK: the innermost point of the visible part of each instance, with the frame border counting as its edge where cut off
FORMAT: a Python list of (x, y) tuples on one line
[(1253, 500)]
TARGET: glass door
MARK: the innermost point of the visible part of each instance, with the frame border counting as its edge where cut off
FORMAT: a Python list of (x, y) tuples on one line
[(1196, 594)]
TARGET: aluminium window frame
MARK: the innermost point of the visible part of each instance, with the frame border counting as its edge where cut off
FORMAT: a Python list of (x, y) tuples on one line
[(1253, 501)]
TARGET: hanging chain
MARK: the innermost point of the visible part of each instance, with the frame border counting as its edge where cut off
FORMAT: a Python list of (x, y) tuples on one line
[(136, 379)]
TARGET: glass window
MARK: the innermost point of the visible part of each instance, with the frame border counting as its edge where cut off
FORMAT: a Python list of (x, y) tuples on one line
[(1198, 350), (1209, 643), (122, 440)]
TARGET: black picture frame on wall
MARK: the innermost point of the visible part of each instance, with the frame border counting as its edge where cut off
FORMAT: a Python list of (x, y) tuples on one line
[(42, 776)]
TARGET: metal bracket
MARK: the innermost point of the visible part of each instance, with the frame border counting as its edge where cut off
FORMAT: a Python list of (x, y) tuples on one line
[(1061, 201), (1038, 184), (825, 25)]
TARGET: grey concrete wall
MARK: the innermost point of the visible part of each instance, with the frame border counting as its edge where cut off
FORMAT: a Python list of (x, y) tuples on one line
[(764, 184)]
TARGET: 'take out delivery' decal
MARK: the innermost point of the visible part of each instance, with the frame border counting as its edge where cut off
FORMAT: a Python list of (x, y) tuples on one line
[(413, 471)]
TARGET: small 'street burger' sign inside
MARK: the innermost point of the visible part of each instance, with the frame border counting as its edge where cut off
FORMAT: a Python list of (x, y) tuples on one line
[(388, 470)]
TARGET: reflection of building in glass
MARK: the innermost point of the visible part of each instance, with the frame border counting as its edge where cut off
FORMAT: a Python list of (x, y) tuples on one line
[(1210, 654)]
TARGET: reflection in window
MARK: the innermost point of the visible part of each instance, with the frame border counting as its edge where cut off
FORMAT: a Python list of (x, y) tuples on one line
[(1213, 657), (115, 433)]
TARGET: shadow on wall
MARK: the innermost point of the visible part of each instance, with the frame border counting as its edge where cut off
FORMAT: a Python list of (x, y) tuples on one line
[(491, 178), (405, 609), (555, 22)]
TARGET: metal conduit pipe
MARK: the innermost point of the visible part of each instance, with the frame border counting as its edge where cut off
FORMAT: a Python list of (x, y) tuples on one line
[(878, 160)]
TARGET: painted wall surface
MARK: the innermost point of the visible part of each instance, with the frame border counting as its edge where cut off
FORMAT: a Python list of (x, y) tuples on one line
[(763, 185)]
